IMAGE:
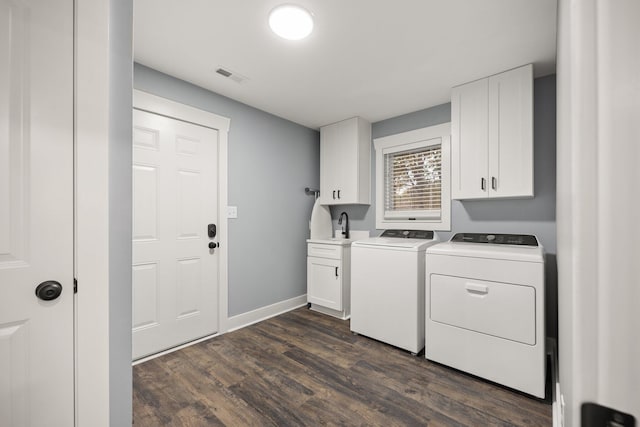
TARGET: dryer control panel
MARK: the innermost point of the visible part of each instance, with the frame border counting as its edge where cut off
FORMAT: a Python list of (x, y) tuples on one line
[(496, 239), (408, 234)]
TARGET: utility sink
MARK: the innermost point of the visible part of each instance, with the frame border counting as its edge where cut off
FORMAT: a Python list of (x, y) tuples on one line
[(332, 241), (354, 235)]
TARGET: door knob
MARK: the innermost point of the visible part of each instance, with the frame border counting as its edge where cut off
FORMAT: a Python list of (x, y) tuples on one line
[(49, 290), (213, 245)]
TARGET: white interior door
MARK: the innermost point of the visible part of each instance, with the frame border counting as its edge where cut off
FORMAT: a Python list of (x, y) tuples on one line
[(175, 197), (36, 212)]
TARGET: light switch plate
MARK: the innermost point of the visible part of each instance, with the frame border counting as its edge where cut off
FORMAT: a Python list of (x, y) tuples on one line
[(232, 212)]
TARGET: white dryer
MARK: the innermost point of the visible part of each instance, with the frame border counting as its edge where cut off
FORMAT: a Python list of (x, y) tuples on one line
[(387, 287), (485, 308)]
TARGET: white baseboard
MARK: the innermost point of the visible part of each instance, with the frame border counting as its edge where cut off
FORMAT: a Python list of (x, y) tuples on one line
[(172, 349), (240, 321), (342, 315), (263, 313)]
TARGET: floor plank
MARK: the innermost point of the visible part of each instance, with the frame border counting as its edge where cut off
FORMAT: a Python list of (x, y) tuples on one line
[(305, 368)]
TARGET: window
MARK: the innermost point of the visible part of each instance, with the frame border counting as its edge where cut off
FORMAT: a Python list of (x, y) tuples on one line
[(412, 180), (413, 183)]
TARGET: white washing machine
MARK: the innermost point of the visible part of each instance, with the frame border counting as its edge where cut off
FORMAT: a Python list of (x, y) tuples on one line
[(485, 308), (387, 287)]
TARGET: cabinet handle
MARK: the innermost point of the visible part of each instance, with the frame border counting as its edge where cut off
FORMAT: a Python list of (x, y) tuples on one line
[(336, 271), (482, 183), (494, 183), (338, 194), (334, 194), (476, 289)]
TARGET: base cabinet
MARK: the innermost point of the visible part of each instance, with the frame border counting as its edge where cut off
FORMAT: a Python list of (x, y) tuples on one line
[(328, 278), (324, 282)]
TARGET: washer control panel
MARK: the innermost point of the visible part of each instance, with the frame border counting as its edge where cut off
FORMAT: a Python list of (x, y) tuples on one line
[(408, 234), (496, 239)]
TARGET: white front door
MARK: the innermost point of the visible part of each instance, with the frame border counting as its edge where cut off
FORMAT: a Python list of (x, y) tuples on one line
[(36, 213), (175, 198)]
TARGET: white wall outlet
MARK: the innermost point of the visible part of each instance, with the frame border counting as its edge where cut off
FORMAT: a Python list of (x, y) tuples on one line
[(232, 212)]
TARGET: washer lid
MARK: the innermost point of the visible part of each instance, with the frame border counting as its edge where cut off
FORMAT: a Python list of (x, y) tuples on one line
[(398, 243), (496, 239), (480, 250), (409, 234)]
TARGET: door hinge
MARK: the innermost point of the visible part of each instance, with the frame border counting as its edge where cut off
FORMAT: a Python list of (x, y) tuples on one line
[(75, 285)]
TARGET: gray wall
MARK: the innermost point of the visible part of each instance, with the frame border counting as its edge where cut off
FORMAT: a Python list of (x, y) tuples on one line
[(363, 217), (271, 161), (526, 216), (120, 211)]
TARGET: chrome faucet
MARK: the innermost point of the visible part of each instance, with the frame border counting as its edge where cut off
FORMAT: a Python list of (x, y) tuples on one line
[(345, 229)]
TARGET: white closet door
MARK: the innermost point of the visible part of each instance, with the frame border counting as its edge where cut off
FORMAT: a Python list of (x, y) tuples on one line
[(36, 213), (175, 273)]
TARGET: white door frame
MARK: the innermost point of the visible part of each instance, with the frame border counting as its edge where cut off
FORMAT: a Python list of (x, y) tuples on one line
[(597, 140), (102, 103), (155, 104)]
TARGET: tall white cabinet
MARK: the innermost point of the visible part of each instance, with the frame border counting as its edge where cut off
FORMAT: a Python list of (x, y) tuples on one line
[(345, 162), (492, 136)]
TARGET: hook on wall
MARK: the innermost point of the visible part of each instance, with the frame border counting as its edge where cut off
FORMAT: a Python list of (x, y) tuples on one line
[(313, 191)]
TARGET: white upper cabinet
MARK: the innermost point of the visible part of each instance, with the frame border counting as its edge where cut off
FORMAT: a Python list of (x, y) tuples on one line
[(470, 140), (345, 162), (492, 136)]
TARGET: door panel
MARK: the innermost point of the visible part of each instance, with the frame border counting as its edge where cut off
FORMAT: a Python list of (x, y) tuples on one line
[(36, 212), (511, 133), (175, 274), (145, 183), (145, 300), (330, 171), (503, 310), (324, 282), (469, 139), (346, 161)]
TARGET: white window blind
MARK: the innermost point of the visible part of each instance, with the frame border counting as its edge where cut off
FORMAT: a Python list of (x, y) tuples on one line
[(413, 183)]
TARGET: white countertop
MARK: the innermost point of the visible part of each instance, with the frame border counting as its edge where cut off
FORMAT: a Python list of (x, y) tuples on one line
[(353, 235), (332, 241)]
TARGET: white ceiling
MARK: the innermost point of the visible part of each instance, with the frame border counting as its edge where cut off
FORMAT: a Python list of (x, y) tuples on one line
[(371, 58)]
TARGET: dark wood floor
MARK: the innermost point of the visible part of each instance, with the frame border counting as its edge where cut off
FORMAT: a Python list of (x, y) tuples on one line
[(307, 369)]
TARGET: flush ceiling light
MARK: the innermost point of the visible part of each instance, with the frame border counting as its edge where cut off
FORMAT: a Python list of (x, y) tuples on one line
[(290, 22)]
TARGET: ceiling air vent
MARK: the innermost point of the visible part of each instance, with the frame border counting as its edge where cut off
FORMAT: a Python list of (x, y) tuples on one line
[(223, 72), (236, 77)]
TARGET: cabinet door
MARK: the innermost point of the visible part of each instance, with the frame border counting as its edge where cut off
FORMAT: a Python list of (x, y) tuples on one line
[(345, 158), (511, 133), (329, 167), (346, 161), (469, 140), (324, 282)]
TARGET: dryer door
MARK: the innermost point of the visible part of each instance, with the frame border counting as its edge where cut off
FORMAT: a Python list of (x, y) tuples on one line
[(503, 310)]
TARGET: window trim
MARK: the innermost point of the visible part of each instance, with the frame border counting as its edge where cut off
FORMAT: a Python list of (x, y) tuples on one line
[(419, 138)]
